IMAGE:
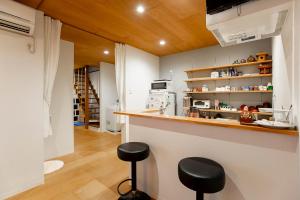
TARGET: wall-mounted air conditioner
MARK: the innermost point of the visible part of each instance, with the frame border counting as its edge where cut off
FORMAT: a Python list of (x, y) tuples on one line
[(16, 17), (247, 22)]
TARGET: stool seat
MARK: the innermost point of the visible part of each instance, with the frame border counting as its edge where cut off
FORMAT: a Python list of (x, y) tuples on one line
[(201, 174), (133, 151)]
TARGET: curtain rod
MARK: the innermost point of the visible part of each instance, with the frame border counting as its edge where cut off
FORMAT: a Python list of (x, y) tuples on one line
[(40, 4)]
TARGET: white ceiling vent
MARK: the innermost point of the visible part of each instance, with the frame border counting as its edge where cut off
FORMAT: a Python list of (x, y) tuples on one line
[(249, 22)]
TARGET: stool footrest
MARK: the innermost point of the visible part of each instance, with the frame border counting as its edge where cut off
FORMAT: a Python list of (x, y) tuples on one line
[(135, 195), (118, 188)]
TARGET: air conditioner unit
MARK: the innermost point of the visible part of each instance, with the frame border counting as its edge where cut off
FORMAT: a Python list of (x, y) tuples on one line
[(248, 22), (16, 17)]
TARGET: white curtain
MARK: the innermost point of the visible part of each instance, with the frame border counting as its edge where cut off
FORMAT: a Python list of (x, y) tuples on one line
[(120, 53), (52, 30)]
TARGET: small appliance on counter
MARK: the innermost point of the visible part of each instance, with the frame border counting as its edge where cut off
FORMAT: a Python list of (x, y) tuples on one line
[(186, 105), (162, 86), (187, 101), (202, 104)]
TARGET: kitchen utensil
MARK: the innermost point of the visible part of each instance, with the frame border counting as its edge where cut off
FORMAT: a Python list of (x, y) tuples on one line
[(194, 112), (204, 88), (269, 110), (267, 105), (287, 116), (242, 106), (274, 124), (251, 108), (251, 59), (246, 116), (243, 61), (265, 69), (269, 86), (214, 74), (261, 56), (236, 62)]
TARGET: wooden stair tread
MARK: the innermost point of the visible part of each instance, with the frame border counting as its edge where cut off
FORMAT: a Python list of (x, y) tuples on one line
[(95, 125), (90, 103), (94, 120)]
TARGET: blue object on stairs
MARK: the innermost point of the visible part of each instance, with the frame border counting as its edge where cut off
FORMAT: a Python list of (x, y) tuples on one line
[(78, 124)]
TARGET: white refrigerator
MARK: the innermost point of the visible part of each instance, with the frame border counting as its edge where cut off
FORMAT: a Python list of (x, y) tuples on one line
[(166, 100)]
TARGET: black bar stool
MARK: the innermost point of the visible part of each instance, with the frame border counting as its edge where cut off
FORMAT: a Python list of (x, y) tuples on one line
[(201, 175), (133, 152)]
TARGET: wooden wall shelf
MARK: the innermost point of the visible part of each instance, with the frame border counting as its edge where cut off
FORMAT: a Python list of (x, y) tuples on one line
[(228, 78), (227, 66), (202, 78), (234, 112), (228, 92)]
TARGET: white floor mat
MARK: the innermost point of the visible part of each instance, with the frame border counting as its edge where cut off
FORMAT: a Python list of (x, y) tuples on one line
[(52, 166)]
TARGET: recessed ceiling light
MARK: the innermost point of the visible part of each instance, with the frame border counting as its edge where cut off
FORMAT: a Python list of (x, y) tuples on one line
[(162, 42), (140, 9), (106, 52)]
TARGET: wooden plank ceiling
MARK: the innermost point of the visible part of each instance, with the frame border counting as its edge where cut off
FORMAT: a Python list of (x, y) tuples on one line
[(88, 47), (180, 22)]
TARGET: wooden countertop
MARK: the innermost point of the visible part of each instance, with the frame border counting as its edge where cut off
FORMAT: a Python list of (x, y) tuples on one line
[(210, 122)]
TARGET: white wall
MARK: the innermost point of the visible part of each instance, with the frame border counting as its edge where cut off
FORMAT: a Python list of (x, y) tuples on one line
[(141, 69), (21, 105), (62, 140), (297, 64), (210, 56), (283, 68), (258, 166), (297, 55), (95, 79), (108, 91), (282, 78)]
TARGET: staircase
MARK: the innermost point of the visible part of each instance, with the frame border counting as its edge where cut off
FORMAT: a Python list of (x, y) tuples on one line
[(90, 109)]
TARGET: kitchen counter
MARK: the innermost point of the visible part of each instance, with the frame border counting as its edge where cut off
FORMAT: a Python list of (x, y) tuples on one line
[(253, 157), (211, 122)]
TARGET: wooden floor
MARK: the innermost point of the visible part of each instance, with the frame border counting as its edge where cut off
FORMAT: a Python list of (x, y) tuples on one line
[(91, 173)]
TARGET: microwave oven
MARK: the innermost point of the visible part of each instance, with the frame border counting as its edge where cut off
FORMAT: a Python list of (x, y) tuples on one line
[(201, 104), (162, 85)]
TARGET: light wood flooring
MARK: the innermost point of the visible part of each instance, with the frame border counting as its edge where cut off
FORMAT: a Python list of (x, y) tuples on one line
[(93, 172)]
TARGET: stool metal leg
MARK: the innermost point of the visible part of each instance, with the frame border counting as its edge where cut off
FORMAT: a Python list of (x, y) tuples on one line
[(134, 194), (199, 196), (133, 175)]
